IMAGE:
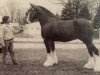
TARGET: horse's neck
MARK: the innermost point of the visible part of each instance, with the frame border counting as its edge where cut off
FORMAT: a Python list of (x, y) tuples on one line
[(44, 15), (43, 19)]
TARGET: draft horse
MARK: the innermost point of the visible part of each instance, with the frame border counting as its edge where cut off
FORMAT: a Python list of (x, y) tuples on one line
[(54, 29)]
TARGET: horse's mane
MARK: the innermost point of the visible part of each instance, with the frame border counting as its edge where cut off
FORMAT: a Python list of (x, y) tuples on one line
[(48, 12)]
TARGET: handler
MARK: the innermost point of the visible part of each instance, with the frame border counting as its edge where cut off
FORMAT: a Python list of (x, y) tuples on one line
[(8, 40), (1, 39)]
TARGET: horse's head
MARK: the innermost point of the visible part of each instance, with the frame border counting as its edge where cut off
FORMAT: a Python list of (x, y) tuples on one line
[(39, 13), (31, 14)]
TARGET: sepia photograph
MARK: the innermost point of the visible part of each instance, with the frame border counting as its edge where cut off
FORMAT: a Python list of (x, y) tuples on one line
[(49, 37)]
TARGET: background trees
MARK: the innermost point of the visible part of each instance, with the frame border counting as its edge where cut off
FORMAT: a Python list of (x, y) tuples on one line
[(12, 9), (96, 21), (76, 9)]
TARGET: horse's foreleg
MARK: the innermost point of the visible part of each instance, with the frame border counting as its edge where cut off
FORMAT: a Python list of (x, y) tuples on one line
[(96, 63), (49, 61), (55, 60)]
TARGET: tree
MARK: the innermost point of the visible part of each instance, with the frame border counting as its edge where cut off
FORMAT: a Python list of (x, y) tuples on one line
[(19, 17), (11, 9), (92, 5), (85, 13), (68, 12), (96, 21), (75, 9)]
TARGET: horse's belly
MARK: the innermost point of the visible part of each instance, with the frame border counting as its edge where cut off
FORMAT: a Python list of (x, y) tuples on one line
[(65, 38)]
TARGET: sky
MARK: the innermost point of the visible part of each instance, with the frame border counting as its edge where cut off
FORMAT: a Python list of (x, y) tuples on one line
[(55, 8)]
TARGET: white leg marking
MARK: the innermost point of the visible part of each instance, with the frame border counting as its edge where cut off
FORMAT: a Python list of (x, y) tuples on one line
[(55, 60), (90, 64), (97, 63), (49, 61)]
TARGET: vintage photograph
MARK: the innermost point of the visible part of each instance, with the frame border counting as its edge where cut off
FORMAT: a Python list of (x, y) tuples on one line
[(49, 37)]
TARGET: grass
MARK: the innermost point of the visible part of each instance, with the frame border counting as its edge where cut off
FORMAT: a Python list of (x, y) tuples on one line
[(30, 61)]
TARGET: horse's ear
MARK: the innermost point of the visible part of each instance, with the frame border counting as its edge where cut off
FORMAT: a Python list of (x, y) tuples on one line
[(32, 5)]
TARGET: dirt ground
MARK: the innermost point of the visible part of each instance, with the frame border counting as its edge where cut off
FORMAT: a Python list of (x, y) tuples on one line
[(71, 61)]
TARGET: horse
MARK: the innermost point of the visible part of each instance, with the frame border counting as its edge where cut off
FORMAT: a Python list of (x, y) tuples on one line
[(54, 29)]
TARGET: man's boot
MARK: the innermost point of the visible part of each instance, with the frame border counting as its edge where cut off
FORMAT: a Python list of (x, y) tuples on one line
[(13, 59)]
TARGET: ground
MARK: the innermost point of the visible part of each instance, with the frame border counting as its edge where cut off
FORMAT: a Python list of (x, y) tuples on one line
[(31, 56)]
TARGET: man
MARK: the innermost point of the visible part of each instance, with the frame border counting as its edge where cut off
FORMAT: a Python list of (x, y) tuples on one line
[(8, 40), (1, 39)]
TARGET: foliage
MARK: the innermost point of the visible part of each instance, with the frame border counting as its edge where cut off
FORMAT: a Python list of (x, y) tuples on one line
[(84, 12), (96, 21), (68, 12), (76, 9), (11, 9)]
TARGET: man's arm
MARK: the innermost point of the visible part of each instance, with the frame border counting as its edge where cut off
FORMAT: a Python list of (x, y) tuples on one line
[(17, 30)]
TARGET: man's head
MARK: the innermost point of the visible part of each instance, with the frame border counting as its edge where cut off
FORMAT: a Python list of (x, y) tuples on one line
[(5, 20)]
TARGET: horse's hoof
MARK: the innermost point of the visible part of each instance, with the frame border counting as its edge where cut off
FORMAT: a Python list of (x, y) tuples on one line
[(97, 64), (48, 64), (89, 66), (97, 69), (55, 62)]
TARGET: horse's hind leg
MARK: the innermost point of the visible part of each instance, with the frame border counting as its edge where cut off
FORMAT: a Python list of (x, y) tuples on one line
[(94, 62), (90, 64), (55, 60), (96, 59), (49, 61)]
